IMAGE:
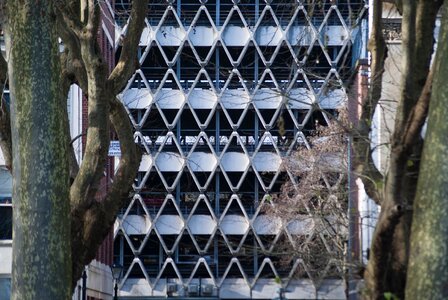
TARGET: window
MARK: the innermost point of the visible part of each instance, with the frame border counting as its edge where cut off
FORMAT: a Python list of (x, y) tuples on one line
[(5, 288), (5, 219)]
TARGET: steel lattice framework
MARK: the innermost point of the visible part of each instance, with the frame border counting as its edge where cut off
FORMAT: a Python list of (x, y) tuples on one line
[(225, 90)]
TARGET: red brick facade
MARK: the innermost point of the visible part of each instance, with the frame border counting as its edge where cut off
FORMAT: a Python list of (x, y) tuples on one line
[(357, 95)]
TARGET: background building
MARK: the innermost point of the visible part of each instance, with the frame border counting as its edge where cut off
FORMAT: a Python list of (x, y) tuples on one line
[(5, 230), (225, 91)]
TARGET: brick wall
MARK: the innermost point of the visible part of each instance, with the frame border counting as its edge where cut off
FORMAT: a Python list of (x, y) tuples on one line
[(356, 97)]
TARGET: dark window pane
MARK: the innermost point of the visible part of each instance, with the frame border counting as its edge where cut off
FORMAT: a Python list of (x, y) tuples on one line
[(5, 222)]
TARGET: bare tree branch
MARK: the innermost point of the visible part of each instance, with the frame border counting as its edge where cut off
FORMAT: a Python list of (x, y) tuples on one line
[(5, 123), (70, 17), (5, 135), (128, 61), (66, 82), (93, 17), (91, 218), (387, 266), (418, 115), (71, 61), (363, 164), (418, 47), (101, 216)]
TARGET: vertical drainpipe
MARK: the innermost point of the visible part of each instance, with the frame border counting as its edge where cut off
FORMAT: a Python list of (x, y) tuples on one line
[(217, 140), (84, 285), (351, 225)]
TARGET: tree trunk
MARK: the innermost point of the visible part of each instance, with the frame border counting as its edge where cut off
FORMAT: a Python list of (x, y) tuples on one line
[(428, 264), (387, 267), (41, 230)]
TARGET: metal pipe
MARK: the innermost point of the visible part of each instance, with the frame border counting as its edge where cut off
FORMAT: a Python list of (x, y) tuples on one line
[(116, 290), (84, 285)]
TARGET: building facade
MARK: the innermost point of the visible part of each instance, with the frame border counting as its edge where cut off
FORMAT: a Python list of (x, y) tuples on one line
[(225, 91), (5, 230)]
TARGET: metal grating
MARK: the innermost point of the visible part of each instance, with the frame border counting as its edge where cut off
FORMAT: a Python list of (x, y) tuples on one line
[(225, 91)]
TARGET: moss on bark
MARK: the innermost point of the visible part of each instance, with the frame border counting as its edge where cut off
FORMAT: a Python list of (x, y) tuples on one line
[(41, 230)]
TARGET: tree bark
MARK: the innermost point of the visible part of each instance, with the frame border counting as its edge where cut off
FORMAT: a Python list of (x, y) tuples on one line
[(91, 216), (387, 267), (5, 122), (363, 162), (41, 229), (428, 264), (60, 220)]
